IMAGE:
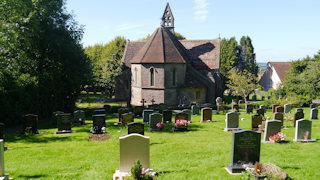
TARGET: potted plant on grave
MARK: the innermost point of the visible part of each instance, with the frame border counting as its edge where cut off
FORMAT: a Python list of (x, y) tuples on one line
[(160, 126), (277, 138), (181, 124), (259, 171), (138, 172)]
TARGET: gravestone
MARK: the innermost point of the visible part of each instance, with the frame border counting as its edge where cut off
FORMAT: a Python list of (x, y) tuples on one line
[(256, 120), (303, 131), (64, 122), (312, 106), (107, 107), (30, 123), (260, 111), (2, 130), (134, 147), (127, 118), (206, 114), (100, 111), (287, 108), (146, 113), (278, 116), (162, 107), (79, 116), (167, 116), (298, 115), (279, 109), (272, 128), (3, 176), (262, 98), (187, 111), (98, 122), (154, 119), (232, 121), (299, 110), (120, 112), (254, 97), (245, 150), (263, 107), (54, 117), (195, 110), (274, 107), (235, 107), (136, 127), (241, 102), (249, 108), (219, 103), (314, 113), (181, 115), (138, 110)]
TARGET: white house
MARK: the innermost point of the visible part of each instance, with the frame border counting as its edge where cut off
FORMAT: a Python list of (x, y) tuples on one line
[(274, 75)]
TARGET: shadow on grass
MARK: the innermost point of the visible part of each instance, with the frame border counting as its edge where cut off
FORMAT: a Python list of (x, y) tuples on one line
[(32, 176), (168, 172), (290, 167), (37, 138)]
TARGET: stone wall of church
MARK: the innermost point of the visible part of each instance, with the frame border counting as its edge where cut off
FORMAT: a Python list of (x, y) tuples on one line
[(122, 85), (158, 75), (180, 71), (193, 95)]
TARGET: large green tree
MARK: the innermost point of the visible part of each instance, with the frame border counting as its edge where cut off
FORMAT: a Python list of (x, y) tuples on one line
[(229, 56), (43, 65), (247, 58)]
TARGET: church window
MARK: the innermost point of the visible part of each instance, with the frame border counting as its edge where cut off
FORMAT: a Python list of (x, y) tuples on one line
[(174, 77), (198, 95), (151, 76)]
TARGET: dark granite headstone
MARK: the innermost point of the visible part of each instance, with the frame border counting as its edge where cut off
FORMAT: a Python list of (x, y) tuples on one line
[(30, 123), (195, 110), (120, 112), (206, 114), (54, 117), (181, 115), (287, 108), (99, 121), (245, 150), (79, 116), (299, 110), (272, 128), (303, 131), (278, 116), (127, 118), (138, 110), (260, 111), (107, 107), (249, 108), (146, 114), (154, 119), (162, 107), (298, 115), (312, 106), (279, 109), (136, 127), (314, 113), (262, 98), (64, 122), (254, 97), (187, 111), (256, 120), (235, 107)]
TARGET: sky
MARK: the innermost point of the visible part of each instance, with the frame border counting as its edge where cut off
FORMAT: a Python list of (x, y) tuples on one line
[(281, 30)]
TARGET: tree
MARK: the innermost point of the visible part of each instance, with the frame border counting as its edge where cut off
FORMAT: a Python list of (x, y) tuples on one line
[(247, 56), (229, 55), (242, 83)]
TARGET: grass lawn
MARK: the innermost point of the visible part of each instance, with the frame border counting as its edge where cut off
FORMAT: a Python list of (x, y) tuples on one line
[(201, 153)]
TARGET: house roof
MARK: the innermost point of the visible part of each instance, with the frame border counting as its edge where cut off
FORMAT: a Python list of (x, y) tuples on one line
[(161, 47), (281, 68)]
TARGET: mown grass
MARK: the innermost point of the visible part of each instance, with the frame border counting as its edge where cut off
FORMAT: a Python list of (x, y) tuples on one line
[(201, 153)]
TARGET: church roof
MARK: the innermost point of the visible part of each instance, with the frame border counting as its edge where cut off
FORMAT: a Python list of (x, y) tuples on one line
[(161, 47)]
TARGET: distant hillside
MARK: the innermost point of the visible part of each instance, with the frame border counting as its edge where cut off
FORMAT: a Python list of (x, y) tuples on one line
[(262, 66)]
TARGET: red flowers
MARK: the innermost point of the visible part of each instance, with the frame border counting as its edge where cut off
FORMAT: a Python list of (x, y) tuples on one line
[(181, 123), (160, 125)]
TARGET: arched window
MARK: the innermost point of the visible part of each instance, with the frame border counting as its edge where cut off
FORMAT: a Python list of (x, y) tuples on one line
[(151, 76), (174, 77), (136, 76)]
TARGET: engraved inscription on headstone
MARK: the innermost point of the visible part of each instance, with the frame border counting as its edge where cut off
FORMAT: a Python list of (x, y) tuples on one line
[(136, 127)]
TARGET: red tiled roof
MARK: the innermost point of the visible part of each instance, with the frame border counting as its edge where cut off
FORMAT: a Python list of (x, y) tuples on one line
[(161, 47), (281, 68)]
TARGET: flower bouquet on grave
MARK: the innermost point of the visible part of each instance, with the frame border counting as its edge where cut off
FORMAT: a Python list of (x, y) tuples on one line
[(181, 124), (160, 125), (278, 137), (139, 173)]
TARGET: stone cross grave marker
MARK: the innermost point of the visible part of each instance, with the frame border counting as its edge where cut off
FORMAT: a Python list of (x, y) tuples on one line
[(2, 172), (254, 97), (127, 118), (195, 110), (154, 119), (232, 121), (64, 123), (162, 107), (298, 115), (30, 123), (134, 147), (287, 108), (314, 113), (303, 131), (181, 115), (256, 120), (260, 111), (206, 114), (235, 107), (278, 116), (167, 116), (249, 108), (279, 109), (274, 107), (79, 116), (272, 128), (245, 150), (122, 111), (146, 113), (99, 121), (136, 127), (187, 111), (138, 110)]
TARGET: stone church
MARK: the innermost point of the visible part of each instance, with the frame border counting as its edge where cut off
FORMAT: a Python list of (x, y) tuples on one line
[(165, 69)]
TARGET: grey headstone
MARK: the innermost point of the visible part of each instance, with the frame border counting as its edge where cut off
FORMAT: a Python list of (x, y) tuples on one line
[(272, 128), (154, 119), (127, 118), (206, 114), (303, 130), (314, 113), (312, 106), (79, 116), (54, 117), (298, 115), (99, 121), (249, 108), (146, 114), (195, 110), (245, 150), (136, 127), (256, 120), (30, 122), (120, 112), (64, 122), (287, 108), (278, 116), (232, 121), (181, 115), (138, 110), (187, 111), (167, 116)]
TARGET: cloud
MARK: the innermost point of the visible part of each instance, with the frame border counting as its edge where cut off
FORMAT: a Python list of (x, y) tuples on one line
[(200, 9), (123, 27)]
